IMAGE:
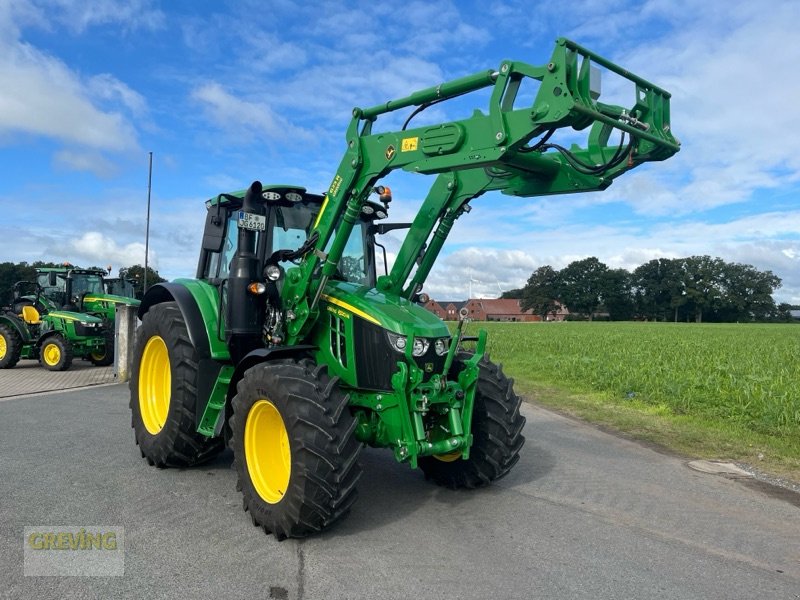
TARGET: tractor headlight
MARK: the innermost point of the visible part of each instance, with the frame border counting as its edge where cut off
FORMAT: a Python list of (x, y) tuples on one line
[(421, 346), (440, 346), (399, 343), (273, 272)]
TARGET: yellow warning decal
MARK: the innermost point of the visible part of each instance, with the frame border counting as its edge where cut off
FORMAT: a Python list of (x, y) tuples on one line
[(351, 308), (321, 210), (409, 144)]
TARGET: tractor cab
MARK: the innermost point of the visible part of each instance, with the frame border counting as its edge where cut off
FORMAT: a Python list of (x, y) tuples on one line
[(289, 215), (249, 245)]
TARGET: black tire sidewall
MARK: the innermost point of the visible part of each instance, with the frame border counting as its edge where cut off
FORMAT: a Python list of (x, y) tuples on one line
[(64, 348), (177, 443), (13, 347)]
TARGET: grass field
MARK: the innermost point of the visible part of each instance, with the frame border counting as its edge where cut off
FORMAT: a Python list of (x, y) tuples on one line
[(722, 391)]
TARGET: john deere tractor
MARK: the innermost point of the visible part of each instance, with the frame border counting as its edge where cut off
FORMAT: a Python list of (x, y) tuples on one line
[(288, 346), (84, 291), (31, 328)]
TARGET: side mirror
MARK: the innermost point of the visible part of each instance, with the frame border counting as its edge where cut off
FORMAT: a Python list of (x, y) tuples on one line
[(214, 232)]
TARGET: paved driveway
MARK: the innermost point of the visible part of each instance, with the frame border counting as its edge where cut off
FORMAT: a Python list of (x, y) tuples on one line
[(28, 377), (583, 515)]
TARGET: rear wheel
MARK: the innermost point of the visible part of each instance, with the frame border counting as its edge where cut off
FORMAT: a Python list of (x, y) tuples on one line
[(10, 347), (56, 353), (295, 452), (163, 384), (104, 357), (497, 434)]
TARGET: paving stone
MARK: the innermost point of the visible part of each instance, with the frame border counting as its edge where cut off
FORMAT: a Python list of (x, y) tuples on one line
[(28, 377)]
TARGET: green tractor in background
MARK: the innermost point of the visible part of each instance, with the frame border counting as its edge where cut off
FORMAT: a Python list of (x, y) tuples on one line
[(30, 327), (85, 291), (120, 286), (292, 350)]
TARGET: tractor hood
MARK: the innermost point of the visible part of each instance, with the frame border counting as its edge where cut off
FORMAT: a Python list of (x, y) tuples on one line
[(112, 298), (387, 310), (68, 315)]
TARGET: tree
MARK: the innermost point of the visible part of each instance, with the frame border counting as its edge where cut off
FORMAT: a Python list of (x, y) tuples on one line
[(748, 293), (136, 272), (540, 293), (659, 288), (581, 285), (617, 295), (703, 278), (515, 294)]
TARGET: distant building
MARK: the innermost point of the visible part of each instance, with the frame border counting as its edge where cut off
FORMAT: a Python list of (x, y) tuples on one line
[(491, 309)]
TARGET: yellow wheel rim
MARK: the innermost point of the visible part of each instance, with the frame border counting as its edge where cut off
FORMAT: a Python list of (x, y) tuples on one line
[(155, 384), (3, 347), (51, 354), (449, 457), (98, 355), (267, 451)]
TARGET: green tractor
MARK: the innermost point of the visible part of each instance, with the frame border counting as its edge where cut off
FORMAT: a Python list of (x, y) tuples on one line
[(292, 350), (120, 286), (31, 328), (85, 291)]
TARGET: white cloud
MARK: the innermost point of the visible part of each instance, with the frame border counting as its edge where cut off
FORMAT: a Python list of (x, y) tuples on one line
[(48, 99), (95, 248), (44, 97), (90, 162), (79, 15), (252, 120)]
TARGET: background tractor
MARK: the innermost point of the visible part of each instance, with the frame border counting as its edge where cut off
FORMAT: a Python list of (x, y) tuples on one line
[(31, 328), (85, 291), (289, 347)]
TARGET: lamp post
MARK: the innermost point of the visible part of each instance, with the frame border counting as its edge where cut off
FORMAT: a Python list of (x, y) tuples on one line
[(147, 230)]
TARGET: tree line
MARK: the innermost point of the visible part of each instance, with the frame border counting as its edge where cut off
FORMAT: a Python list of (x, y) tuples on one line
[(11, 273), (696, 288)]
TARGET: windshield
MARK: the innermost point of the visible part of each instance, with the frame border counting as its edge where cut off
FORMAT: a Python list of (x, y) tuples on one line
[(86, 283)]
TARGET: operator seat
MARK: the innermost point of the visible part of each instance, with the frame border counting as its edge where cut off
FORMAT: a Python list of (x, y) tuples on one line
[(30, 315)]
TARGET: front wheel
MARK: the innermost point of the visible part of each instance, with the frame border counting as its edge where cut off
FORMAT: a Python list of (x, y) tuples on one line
[(163, 383), (294, 445), (56, 353), (496, 429), (104, 357)]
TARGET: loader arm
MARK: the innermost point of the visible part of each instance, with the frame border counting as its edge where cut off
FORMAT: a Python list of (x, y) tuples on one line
[(506, 150)]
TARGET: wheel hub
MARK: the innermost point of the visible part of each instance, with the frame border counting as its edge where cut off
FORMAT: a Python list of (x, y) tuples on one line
[(155, 384), (267, 451)]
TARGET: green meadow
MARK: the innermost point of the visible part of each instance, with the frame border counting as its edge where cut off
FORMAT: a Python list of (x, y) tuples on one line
[(727, 391)]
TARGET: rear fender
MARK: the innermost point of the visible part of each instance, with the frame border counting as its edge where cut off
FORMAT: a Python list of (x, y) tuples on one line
[(17, 325), (200, 313)]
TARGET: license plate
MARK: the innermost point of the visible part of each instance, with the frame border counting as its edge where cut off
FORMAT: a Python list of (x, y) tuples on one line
[(252, 222)]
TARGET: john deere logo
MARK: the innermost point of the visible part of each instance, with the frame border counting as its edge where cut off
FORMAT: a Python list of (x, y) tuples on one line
[(429, 367), (389, 152)]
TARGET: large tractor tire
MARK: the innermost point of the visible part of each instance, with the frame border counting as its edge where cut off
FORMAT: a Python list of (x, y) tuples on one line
[(104, 357), (10, 347), (496, 429), (294, 445), (56, 353), (163, 384)]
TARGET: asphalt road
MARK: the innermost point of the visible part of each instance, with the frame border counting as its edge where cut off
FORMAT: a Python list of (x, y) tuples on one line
[(584, 514)]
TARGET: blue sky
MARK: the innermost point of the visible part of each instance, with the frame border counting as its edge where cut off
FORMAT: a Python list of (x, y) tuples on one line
[(224, 93)]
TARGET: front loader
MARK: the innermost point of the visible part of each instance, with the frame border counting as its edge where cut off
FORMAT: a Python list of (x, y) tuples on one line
[(288, 346)]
